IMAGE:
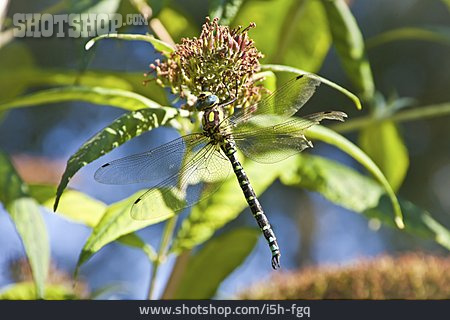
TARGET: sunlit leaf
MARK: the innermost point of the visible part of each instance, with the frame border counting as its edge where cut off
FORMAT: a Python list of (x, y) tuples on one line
[(74, 205), (14, 58), (331, 137), (282, 68), (225, 10), (354, 191), (384, 145), (177, 23), (214, 262), (270, 80), (118, 132), (447, 3), (349, 44), (79, 207), (27, 291), (97, 95), (115, 223), (26, 216), (298, 34)]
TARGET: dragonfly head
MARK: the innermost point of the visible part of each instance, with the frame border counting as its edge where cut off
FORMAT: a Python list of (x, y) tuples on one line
[(206, 100)]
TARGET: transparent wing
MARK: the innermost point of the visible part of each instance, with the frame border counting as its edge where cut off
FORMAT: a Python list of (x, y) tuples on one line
[(153, 165), (270, 144), (283, 103), (201, 174)]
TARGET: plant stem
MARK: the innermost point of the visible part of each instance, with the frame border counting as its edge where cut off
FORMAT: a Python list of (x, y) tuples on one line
[(161, 31), (165, 240), (154, 23), (175, 276), (413, 114)]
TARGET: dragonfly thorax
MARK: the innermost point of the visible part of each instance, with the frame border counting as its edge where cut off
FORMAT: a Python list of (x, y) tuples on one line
[(211, 120)]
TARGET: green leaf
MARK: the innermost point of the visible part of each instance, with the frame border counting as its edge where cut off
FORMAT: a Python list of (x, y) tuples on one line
[(118, 132), (78, 207), (384, 145), (89, 78), (41, 192), (115, 223), (26, 216), (134, 241), (282, 68), (225, 10), (354, 191), (298, 34), (225, 205), (214, 262), (177, 23), (349, 44), (270, 80), (447, 3), (97, 95), (31, 77), (74, 205), (336, 182), (27, 291), (159, 45), (151, 89), (14, 58), (333, 138), (437, 34)]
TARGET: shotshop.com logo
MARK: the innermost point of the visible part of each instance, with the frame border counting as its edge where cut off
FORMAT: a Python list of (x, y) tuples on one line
[(74, 25)]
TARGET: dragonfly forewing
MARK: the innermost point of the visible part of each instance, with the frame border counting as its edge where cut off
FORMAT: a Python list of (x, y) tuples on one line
[(151, 166)]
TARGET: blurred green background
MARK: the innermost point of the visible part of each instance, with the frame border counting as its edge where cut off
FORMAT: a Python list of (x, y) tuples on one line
[(411, 68)]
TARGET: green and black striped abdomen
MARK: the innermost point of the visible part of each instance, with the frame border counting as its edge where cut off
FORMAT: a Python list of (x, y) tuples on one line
[(230, 150)]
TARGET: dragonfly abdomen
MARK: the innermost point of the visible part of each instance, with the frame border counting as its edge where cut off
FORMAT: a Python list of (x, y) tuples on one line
[(253, 202)]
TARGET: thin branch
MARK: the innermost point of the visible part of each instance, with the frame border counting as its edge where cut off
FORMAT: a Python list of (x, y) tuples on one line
[(175, 276), (153, 23), (159, 29), (166, 237)]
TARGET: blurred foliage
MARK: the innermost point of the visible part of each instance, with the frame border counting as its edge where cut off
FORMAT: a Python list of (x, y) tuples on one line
[(298, 34), (409, 276), (350, 46), (233, 246), (295, 36), (59, 285), (25, 214)]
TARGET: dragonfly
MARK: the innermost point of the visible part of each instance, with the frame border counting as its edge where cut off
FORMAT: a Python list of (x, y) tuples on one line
[(192, 167)]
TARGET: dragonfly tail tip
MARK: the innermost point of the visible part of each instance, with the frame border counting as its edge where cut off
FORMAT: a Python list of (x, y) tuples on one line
[(276, 261)]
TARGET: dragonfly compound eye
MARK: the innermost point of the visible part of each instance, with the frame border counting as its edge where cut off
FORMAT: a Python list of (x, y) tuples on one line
[(206, 101)]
